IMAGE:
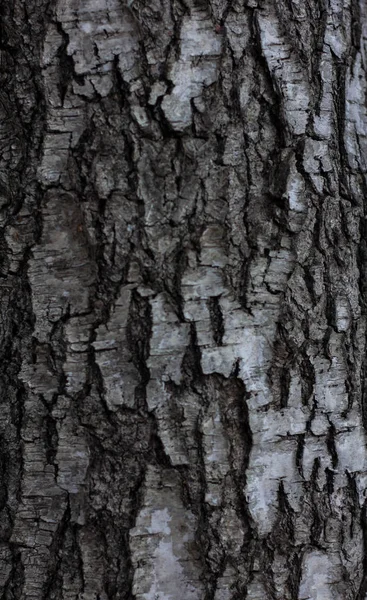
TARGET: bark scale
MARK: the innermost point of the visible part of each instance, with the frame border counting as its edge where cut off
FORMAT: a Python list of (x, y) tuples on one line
[(183, 300)]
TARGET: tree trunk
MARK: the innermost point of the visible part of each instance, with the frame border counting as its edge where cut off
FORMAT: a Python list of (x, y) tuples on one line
[(183, 300)]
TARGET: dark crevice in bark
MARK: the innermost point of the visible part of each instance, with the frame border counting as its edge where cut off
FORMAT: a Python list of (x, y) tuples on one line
[(236, 418), (330, 443), (285, 532), (122, 89), (280, 370), (17, 418), (299, 150), (329, 481), (51, 440), (340, 108), (294, 580), (138, 333), (274, 111), (318, 26), (53, 583), (267, 573), (317, 524), (216, 319), (362, 280), (4, 473), (299, 453), (245, 281), (307, 372), (363, 521), (309, 281), (66, 62), (191, 362), (173, 287), (15, 582), (356, 28)]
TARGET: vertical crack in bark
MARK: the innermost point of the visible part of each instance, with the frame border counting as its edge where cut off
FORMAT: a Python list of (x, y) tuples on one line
[(216, 319)]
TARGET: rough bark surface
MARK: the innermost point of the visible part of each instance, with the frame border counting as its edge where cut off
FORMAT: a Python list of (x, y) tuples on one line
[(183, 300)]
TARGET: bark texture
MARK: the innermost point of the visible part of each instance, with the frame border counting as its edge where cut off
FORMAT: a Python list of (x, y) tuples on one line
[(183, 245)]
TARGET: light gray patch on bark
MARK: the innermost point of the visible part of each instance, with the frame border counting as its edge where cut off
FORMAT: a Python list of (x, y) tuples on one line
[(166, 564)]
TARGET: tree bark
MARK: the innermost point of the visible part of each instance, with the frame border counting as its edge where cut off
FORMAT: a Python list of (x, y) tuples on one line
[(183, 300)]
